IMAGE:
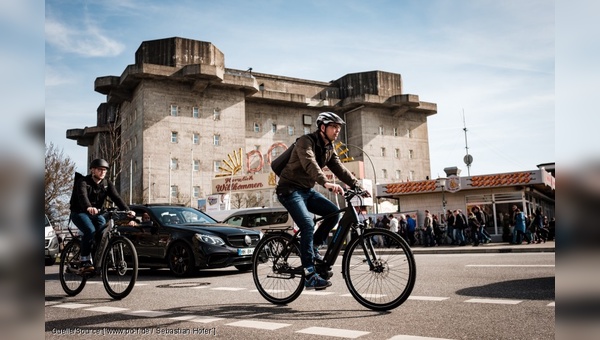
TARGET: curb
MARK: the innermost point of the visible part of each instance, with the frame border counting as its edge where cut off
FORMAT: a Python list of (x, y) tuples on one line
[(489, 248)]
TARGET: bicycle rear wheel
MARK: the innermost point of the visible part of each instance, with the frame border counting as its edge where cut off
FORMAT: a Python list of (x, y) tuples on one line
[(119, 267), (277, 269), (71, 281), (380, 269)]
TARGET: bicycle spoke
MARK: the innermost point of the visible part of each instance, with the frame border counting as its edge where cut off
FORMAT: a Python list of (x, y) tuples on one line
[(119, 268)]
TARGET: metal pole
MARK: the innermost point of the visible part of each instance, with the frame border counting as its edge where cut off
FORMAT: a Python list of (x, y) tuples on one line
[(374, 176)]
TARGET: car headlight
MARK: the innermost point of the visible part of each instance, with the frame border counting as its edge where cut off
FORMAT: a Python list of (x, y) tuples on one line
[(209, 239), (51, 233), (261, 235)]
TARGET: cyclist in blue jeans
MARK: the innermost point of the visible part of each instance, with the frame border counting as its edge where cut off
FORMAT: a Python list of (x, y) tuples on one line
[(295, 191), (88, 198)]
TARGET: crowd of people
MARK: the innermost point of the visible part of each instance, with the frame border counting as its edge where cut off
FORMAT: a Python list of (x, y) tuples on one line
[(460, 229)]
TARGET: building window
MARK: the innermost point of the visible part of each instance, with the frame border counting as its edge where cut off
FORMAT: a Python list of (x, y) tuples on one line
[(408, 133), (216, 140), (290, 130), (257, 147), (195, 112), (174, 110), (381, 130), (216, 166), (274, 128), (384, 173), (398, 174), (196, 138), (174, 164), (196, 191), (395, 132), (411, 175), (173, 137), (382, 152), (411, 154), (196, 165), (306, 130), (396, 153), (217, 114), (256, 127), (174, 191)]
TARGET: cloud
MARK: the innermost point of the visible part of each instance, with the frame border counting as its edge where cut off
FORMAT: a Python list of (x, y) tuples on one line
[(89, 41)]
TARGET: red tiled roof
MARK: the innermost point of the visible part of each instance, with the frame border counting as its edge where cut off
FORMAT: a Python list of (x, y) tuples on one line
[(501, 180), (411, 187)]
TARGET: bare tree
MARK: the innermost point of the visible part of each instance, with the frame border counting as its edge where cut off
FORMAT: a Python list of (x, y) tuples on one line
[(58, 183), (110, 147)]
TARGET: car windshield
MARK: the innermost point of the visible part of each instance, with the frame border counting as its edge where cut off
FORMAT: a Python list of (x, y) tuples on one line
[(180, 215), (46, 221)]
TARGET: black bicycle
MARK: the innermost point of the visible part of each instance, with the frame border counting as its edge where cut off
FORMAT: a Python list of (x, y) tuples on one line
[(378, 266), (114, 257)]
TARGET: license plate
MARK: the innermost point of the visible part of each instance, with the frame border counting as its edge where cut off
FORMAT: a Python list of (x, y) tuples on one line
[(245, 251)]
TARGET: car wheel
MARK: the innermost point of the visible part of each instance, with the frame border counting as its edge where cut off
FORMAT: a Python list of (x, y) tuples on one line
[(244, 267), (50, 261), (181, 259)]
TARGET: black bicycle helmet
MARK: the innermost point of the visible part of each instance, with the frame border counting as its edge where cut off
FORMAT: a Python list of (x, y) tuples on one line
[(328, 118), (99, 163)]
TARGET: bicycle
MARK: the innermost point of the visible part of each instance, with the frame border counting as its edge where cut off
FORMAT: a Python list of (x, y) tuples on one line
[(114, 257), (380, 277)]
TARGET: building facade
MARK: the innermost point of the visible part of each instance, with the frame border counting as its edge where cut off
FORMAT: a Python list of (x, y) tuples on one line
[(178, 118)]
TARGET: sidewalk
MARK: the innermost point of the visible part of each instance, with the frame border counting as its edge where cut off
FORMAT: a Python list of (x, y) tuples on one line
[(497, 247)]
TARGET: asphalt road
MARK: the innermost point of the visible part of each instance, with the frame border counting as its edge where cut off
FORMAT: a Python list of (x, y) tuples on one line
[(457, 296)]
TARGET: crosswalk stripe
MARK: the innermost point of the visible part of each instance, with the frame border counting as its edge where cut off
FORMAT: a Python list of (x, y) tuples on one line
[(147, 313), (205, 319), (497, 301), (428, 298), (72, 305), (340, 333), (258, 324), (105, 309), (551, 304)]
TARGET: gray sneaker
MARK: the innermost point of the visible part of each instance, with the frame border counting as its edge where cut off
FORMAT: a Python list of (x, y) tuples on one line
[(314, 281)]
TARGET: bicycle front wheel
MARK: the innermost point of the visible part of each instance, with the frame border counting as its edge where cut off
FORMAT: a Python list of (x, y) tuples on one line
[(71, 280), (119, 267), (277, 269), (380, 269)]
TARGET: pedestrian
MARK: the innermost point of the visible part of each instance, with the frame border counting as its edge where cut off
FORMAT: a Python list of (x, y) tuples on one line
[(474, 225), (411, 226), (450, 222), (429, 236), (519, 223), (483, 235), (459, 227)]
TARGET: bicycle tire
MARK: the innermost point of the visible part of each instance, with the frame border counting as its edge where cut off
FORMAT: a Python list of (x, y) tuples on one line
[(391, 279), (72, 282), (119, 267), (277, 269)]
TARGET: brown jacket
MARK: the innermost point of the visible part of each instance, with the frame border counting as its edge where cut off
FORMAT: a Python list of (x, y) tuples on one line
[(304, 168)]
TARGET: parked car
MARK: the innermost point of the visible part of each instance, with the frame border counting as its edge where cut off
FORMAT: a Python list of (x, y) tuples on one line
[(51, 242), (263, 219), (185, 240), (66, 233)]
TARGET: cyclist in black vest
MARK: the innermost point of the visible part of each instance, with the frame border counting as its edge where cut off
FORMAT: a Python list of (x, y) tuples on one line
[(88, 198), (295, 190)]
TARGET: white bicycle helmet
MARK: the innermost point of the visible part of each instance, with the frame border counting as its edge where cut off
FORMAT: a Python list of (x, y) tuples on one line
[(328, 118)]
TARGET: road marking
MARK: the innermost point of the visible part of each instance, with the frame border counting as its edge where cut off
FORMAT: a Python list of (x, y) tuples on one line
[(233, 289), (310, 292), (107, 309), (496, 301), (205, 319), (184, 317), (72, 305), (258, 324), (428, 298), (340, 333), (512, 265), (377, 296), (551, 304), (140, 284), (147, 313), (414, 337)]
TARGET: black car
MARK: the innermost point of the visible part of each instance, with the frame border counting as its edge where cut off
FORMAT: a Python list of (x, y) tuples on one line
[(185, 240)]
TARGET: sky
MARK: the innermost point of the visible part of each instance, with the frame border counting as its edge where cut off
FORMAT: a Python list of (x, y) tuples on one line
[(488, 65)]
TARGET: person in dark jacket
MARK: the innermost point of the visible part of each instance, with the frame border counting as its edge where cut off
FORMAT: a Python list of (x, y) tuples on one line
[(311, 154), (473, 223), (88, 197)]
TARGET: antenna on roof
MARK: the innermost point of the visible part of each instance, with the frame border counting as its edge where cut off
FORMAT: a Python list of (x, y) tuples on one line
[(468, 159)]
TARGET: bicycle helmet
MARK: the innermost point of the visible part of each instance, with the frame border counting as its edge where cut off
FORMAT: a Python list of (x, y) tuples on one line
[(328, 118), (99, 163)]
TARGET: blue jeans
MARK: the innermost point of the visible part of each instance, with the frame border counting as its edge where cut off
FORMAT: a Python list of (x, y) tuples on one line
[(88, 225), (301, 204), (460, 236)]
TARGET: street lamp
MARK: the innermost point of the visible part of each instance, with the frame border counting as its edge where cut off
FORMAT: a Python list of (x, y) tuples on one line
[(374, 177), (442, 183)]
